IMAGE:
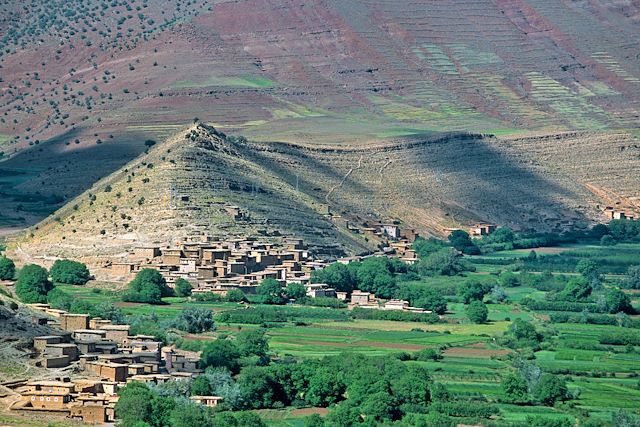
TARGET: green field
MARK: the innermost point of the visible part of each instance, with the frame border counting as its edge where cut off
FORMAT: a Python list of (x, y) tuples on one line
[(602, 378)]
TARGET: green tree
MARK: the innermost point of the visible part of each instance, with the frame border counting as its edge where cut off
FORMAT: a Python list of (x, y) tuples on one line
[(587, 268), (59, 300), (296, 291), (632, 279), (235, 295), (271, 292), (189, 415), (195, 320), (200, 387), (69, 272), (314, 420), (7, 268), (524, 332), (515, 389), (134, 404), (618, 301), (430, 299), (509, 280), (577, 289), (607, 240), (33, 284), (445, 262), (107, 310), (336, 275), (461, 241), (161, 408), (477, 312), (253, 343), (551, 389), (183, 288), (472, 291), (325, 387), (148, 286), (221, 353), (257, 387)]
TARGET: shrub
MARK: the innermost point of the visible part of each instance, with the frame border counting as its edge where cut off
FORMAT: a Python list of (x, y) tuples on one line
[(477, 312), (148, 286), (70, 272), (182, 288), (33, 284), (235, 295), (400, 316), (7, 268), (194, 320)]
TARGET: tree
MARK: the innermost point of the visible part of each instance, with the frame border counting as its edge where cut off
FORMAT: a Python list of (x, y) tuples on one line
[(235, 295), (7, 268), (108, 311), (314, 420), (148, 286), (632, 281), (69, 272), (577, 289), (271, 292), (296, 291), (617, 301), (515, 389), (336, 275), (376, 275), (551, 389), (253, 342), (498, 294), (608, 240), (221, 353), (59, 300), (445, 262), (587, 268), (461, 241), (189, 415), (477, 312), (473, 290), (134, 404), (200, 387), (524, 333), (182, 288), (509, 280), (325, 387), (430, 299), (33, 284), (195, 320), (257, 387)]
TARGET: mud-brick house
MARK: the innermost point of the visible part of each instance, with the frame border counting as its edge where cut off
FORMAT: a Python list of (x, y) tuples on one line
[(117, 333), (59, 350), (54, 400), (210, 401), (362, 298), (39, 343), (172, 256), (146, 252), (391, 230), (116, 372), (396, 304), (73, 322), (124, 268), (93, 409)]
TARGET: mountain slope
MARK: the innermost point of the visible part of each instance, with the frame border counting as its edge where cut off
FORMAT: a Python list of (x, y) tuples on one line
[(186, 184)]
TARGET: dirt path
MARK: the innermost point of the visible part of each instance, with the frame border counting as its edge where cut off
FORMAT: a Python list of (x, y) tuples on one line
[(344, 178)]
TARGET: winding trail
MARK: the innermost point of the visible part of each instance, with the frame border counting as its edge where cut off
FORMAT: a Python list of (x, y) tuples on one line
[(344, 178)]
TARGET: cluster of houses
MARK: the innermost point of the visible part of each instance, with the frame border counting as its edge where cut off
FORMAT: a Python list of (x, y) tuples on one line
[(216, 267), (612, 213), (103, 357)]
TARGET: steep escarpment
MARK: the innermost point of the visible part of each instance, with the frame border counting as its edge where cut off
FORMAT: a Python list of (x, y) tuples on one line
[(202, 181)]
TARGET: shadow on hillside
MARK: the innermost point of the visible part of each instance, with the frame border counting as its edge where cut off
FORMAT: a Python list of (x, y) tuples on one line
[(482, 183), (57, 170)]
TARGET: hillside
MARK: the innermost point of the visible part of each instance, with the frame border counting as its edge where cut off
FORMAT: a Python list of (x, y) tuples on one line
[(186, 184), (78, 76)]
